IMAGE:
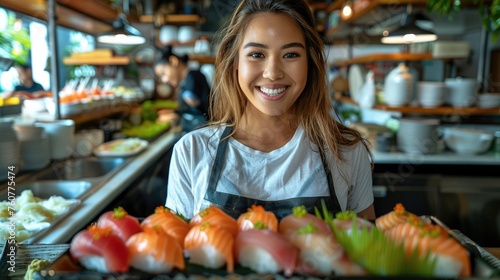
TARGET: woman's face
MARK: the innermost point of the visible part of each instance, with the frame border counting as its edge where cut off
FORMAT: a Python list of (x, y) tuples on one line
[(168, 74), (272, 64)]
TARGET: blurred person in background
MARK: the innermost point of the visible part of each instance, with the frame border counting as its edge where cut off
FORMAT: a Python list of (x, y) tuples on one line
[(27, 87), (192, 88)]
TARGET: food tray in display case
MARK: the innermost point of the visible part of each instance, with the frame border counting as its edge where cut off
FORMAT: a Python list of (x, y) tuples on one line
[(39, 206), (121, 147), (484, 266)]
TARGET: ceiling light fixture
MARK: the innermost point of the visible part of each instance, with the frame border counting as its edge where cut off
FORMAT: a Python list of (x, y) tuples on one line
[(123, 33), (409, 32), (347, 9)]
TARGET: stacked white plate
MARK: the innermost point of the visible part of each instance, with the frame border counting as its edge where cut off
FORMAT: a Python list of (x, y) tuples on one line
[(34, 146), (431, 94), (489, 100), (9, 148), (418, 136), (461, 92)]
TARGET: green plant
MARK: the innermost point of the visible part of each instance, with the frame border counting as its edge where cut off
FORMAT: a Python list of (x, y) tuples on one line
[(488, 10), (15, 44)]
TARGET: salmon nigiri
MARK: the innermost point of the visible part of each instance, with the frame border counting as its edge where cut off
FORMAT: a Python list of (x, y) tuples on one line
[(123, 224), (154, 251), (452, 258), (210, 246), (257, 216), (169, 222), (300, 218), (97, 249), (215, 216), (398, 216)]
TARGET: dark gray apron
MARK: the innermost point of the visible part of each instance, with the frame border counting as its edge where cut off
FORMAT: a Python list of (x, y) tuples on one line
[(234, 205)]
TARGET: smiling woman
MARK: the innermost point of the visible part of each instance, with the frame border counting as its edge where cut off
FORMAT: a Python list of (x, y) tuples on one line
[(271, 140)]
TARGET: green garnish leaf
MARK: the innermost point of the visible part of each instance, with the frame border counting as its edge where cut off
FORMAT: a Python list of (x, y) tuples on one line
[(309, 228), (299, 211), (260, 225)]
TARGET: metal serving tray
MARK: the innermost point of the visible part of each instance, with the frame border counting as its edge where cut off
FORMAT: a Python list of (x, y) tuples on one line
[(46, 189)]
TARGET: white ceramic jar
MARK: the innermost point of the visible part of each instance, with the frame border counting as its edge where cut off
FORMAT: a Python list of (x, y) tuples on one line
[(398, 86)]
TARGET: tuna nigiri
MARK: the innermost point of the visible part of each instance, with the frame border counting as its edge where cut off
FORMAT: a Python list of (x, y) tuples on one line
[(257, 216), (169, 222), (398, 216), (300, 218), (265, 251), (97, 249), (215, 216), (122, 224), (210, 246), (318, 250), (345, 221), (154, 251)]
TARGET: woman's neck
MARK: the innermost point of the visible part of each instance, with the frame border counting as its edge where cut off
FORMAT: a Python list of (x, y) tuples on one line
[(265, 133)]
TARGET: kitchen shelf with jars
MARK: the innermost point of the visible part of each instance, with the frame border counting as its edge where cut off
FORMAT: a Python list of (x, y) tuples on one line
[(433, 100)]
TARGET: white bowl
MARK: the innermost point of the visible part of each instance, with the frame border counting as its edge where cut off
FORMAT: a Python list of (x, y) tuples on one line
[(35, 105), (467, 140), (431, 94)]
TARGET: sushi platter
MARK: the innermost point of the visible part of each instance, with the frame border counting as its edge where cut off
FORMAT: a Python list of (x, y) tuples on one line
[(121, 246)]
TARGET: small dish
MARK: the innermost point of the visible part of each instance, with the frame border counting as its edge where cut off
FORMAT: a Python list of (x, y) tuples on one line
[(121, 147)]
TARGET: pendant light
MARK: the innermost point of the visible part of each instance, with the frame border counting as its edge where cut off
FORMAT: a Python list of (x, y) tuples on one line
[(123, 33), (409, 32)]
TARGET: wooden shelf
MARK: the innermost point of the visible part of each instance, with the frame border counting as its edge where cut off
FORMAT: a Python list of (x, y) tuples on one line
[(176, 43), (173, 19), (390, 57), (202, 59), (116, 60), (355, 16), (99, 114), (443, 110)]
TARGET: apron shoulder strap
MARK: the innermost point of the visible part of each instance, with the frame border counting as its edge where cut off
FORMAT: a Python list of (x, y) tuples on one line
[(219, 159)]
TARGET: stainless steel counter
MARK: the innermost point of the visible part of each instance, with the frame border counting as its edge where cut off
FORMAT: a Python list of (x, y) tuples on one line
[(101, 196), (441, 158)]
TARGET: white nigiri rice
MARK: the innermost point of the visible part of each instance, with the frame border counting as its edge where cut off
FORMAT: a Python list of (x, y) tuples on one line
[(207, 256), (94, 262), (319, 261), (149, 264), (258, 260), (447, 266)]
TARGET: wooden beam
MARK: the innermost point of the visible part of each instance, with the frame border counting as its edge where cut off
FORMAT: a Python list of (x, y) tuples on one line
[(93, 8), (69, 18)]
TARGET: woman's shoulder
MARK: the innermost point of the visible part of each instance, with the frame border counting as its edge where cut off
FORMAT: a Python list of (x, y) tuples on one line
[(202, 137)]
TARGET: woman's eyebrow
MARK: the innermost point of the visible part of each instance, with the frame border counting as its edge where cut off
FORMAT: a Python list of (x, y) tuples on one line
[(262, 46), (293, 45)]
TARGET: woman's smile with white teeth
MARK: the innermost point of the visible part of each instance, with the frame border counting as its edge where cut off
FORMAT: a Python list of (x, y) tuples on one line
[(272, 91)]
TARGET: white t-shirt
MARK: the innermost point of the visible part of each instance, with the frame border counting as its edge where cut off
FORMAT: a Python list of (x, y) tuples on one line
[(294, 170)]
